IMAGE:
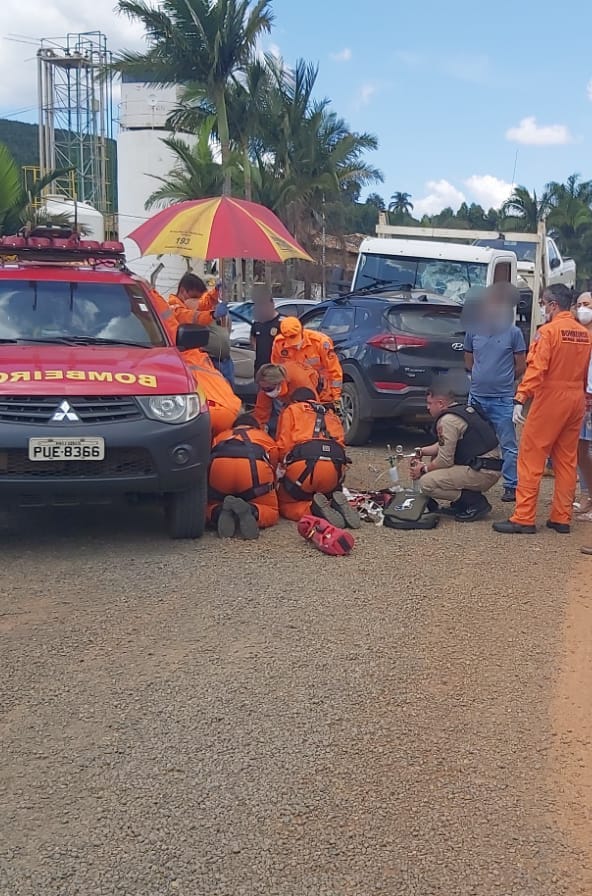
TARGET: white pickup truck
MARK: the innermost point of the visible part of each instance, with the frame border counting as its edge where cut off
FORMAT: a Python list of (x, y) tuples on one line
[(443, 269), (557, 268)]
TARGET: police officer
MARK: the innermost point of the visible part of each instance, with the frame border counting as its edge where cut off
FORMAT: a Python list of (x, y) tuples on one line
[(463, 463)]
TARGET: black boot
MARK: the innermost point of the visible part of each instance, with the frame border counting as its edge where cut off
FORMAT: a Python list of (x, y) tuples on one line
[(474, 506)]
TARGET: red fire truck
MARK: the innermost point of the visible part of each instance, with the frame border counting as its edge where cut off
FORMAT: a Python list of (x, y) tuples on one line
[(95, 398)]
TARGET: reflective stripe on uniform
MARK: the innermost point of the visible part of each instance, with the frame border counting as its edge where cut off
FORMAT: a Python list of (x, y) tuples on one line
[(313, 360), (337, 383), (166, 314)]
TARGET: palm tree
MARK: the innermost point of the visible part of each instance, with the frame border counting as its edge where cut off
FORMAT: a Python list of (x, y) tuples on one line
[(528, 209), (400, 203), (196, 174), (198, 43), (573, 188), (376, 200), (18, 205)]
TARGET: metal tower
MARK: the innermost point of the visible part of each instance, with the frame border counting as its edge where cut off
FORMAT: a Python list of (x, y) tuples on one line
[(76, 117)]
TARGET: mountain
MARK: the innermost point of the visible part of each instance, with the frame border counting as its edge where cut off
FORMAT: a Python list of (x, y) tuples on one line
[(22, 140)]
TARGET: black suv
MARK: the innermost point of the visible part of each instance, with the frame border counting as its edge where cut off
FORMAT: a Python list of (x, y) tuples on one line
[(390, 349)]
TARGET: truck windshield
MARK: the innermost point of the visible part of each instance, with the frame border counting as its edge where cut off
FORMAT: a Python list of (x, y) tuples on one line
[(522, 251), (447, 278), (47, 310)]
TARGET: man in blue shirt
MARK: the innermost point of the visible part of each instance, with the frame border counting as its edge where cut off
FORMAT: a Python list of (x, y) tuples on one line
[(495, 355)]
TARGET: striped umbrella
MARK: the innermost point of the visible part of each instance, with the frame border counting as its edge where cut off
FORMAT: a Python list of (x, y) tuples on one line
[(218, 228)]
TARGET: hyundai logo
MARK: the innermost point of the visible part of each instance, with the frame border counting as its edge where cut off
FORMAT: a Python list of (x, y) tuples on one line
[(457, 346)]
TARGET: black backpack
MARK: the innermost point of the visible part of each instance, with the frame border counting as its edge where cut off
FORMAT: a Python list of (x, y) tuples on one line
[(410, 512)]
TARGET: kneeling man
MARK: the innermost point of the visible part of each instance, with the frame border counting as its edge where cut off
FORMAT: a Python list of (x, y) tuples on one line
[(464, 462)]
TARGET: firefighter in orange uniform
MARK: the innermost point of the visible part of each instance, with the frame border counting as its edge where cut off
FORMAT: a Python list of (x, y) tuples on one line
[(223, 404), (194, 303), (312, 457), (555, 382), (276, 384), (311, 350), (242, 480)]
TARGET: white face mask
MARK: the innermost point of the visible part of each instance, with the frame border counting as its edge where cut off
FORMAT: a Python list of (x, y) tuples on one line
[(274, 393), (584, 315)]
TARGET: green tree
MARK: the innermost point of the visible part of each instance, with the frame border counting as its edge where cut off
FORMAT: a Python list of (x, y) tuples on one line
[(400, 203), (195, 175), (18, 206), (377, 201), (529, 209), (199, 43)]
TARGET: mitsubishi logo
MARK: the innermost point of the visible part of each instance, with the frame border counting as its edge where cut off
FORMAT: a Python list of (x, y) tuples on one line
[(457, 346), (65, 412)]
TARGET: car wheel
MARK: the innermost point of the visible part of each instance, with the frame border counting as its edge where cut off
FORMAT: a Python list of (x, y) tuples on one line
[(357, 431), (186, 511)]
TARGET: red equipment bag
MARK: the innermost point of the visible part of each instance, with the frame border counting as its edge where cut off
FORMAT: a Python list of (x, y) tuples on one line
[(325, 537)]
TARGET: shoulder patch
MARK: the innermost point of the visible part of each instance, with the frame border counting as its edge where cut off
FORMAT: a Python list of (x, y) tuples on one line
[(284, 353), (326, 346), (274, 331)]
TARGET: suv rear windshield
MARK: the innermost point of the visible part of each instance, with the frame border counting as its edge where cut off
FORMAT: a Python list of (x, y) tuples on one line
[(46, 310), (437, 323), (447, 278)]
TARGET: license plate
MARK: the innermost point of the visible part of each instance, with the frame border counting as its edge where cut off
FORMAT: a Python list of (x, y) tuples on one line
[(67, 449)]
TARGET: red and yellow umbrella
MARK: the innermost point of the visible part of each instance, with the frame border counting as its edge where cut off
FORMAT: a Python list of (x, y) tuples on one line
[(218, 228)]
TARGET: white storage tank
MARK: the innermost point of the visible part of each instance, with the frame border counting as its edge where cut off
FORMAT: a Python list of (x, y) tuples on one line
[(141, 157), (91, 220)]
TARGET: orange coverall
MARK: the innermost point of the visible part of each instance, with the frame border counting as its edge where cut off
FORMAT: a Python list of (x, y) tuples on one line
[(555, 380), (311, 449), (223, 404), (243, 464), (316, 351), (267, 410), (203, 314)]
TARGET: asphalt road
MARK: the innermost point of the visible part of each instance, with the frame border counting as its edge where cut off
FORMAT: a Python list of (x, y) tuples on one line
[(255, 718)]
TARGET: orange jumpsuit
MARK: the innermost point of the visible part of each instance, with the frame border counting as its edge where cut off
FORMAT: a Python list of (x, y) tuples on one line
[(165, 313), (311, 448), (203, 314), (316, 351), (267, 410), (243, 464), (223, 404), (555, 380)]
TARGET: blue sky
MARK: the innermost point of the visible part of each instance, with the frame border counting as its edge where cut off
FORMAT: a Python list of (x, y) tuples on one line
[(452, 90), (442, 84)]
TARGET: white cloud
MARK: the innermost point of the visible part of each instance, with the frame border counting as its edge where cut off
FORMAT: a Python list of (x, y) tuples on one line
[(344, 55), (37, 19), (364, 94), (589, 89), (489, 191), (441, 194), (530, 133)]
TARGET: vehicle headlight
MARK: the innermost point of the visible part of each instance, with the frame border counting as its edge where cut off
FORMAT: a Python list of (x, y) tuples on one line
[(171, 408)]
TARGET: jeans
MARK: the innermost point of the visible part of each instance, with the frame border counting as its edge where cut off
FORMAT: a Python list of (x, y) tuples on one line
[(499, 413)]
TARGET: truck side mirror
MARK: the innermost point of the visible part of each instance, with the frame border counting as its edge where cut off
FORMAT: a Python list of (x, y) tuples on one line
[(190, 336), (554, 263)]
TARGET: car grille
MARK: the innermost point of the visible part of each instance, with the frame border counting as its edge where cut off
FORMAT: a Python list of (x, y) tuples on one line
[(90, 409), (117, 462)]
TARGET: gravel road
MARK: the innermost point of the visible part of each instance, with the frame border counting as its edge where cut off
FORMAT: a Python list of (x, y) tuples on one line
[(233, 719)]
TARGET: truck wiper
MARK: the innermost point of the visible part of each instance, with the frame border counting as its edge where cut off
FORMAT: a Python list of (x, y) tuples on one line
[(77, 340), (100, 340), (376, 289)]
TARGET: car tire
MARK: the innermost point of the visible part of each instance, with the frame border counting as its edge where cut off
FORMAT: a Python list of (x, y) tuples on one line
[(357, 431), (186, 511)]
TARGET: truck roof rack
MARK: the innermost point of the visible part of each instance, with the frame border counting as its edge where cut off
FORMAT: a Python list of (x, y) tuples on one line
[(59, 247)]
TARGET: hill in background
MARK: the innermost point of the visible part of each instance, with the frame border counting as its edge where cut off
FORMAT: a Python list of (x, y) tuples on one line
[(22, 140)]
